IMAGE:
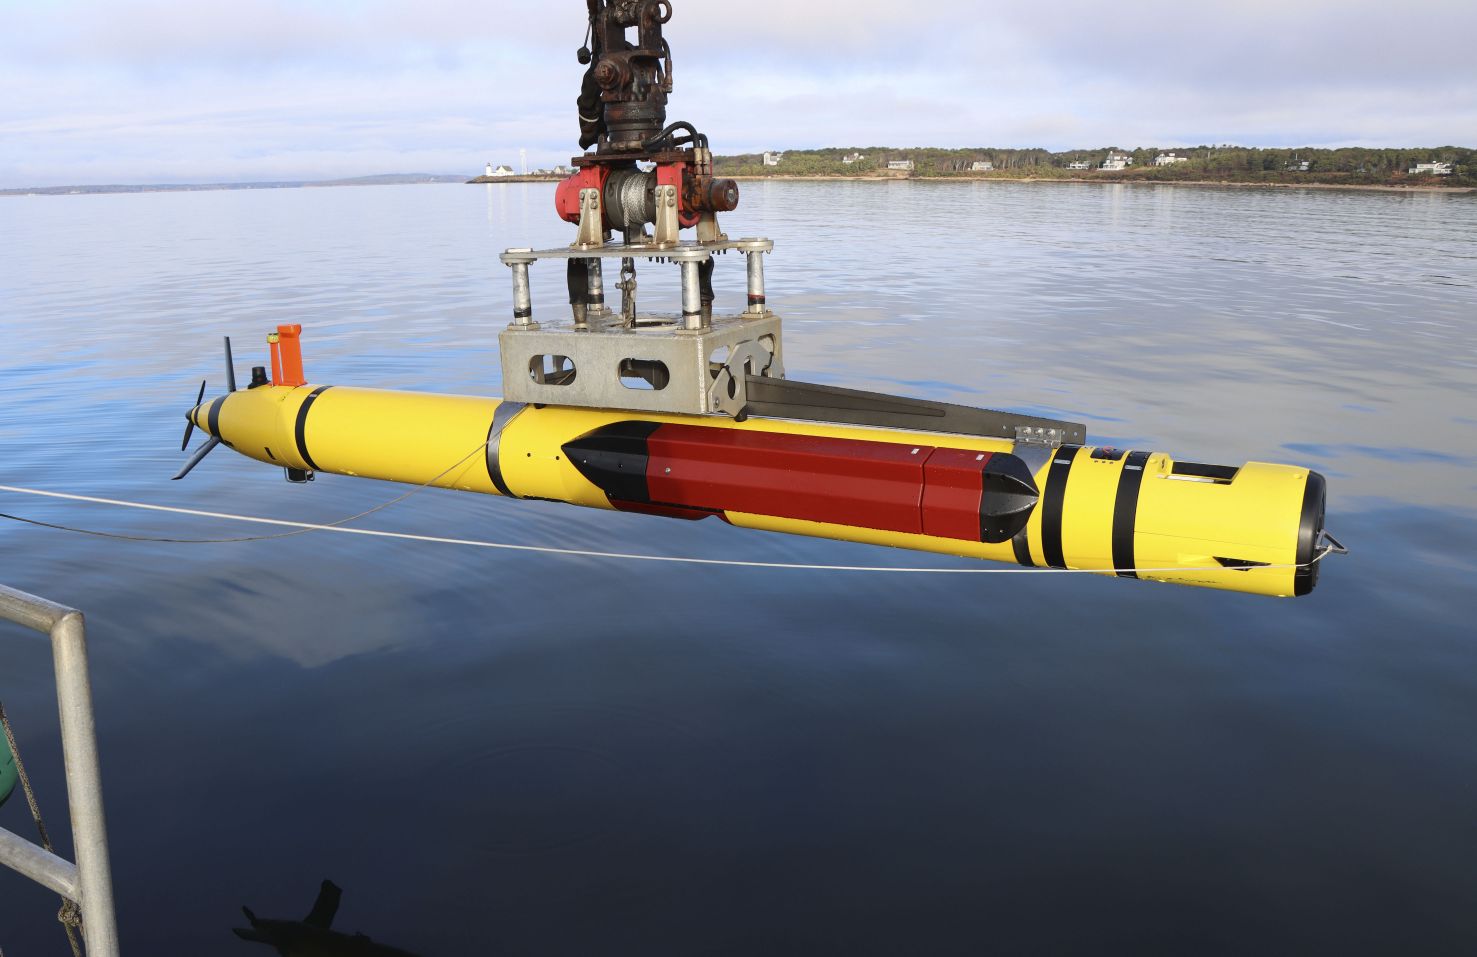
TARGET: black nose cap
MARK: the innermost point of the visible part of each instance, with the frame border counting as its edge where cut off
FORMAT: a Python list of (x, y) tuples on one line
[(614, 458), (1310, 530), (1010, 496)]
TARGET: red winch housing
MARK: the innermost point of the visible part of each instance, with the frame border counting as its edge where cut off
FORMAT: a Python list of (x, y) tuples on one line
[(696, 193), (567, 195)]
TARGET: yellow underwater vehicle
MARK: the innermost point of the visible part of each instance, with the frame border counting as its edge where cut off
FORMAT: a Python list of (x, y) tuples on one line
[(690, 415)]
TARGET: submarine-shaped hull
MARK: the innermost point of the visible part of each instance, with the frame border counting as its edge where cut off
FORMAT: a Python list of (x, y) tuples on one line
[(1137, 514)]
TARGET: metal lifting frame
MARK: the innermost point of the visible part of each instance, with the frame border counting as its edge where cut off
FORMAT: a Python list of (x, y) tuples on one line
[(89, 882), (694, 363)]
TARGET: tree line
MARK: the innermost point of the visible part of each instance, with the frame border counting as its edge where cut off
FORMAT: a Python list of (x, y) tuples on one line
[(1351, 165)]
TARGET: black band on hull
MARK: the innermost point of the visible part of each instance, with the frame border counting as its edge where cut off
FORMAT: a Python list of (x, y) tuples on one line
[(1126, 513), (506, 413), (1052, 502), (213, 418), (300, 432)]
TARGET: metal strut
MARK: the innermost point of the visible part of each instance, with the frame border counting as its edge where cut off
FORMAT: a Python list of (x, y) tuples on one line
[(69, 915), (788, 399)]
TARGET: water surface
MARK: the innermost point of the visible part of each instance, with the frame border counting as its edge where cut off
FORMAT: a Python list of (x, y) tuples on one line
[(498, 753)]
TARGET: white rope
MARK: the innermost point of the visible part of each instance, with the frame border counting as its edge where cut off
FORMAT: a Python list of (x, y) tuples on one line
[(619, 556), (586, 553)]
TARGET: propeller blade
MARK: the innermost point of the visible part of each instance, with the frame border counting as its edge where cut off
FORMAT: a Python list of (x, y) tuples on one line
[(189, 422), (230, 368), (198, 457)]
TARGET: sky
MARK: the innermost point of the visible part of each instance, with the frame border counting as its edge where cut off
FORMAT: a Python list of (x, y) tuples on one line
[(166, 91)]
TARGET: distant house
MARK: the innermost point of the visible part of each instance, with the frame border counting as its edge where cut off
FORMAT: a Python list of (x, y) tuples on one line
[(982, 166), (773, 159), (1299, 166), (850, 158), (500, 171), (902, 166), (1117, 160), (1435, 169), (562, 171), (1081, 164), (1169, 159)]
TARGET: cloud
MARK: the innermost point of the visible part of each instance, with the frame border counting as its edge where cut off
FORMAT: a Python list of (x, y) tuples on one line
[(155, 90)]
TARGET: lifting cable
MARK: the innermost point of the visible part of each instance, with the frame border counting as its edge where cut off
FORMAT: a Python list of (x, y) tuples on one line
[(302, 528)]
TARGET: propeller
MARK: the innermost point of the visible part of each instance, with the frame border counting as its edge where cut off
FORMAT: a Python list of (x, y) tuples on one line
[(214, 440), (189, 419)]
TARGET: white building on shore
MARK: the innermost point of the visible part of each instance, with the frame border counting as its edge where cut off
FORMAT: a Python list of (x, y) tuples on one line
[(981, 166), (850, 158), (1117, 159), (1435, 169), (1080, 164), (500, 171), (773, 159), (902, 166), (1170, 158)]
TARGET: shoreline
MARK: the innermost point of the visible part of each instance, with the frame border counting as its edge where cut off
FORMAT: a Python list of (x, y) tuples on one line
[(516, 178), (791, 178), (1094, 181)]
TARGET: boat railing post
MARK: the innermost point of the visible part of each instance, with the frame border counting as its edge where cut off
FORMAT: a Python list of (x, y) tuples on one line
[(89, 882)]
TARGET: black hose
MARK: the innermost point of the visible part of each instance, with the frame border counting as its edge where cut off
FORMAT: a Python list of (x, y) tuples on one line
[(665, 136)]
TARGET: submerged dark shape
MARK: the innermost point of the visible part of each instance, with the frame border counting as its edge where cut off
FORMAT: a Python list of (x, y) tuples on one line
[(313, 936)]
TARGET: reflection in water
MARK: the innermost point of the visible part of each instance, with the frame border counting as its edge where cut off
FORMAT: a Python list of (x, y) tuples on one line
[(314, 936)]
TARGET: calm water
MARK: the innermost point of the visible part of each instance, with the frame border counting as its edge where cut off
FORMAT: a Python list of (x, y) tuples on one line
[(514, 755)]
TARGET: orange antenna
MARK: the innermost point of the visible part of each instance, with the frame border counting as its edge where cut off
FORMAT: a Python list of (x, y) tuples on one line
[(287, 356)]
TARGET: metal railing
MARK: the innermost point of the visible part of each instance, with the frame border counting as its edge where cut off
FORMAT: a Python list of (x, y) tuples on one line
[(89, 882)]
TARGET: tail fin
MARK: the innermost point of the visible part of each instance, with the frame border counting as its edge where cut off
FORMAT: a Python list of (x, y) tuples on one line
[(325, 907)]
